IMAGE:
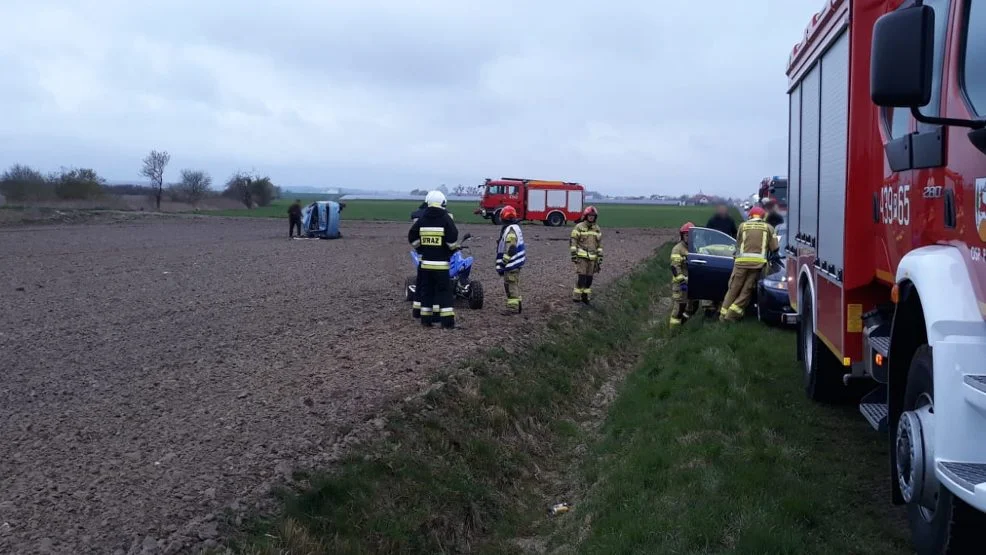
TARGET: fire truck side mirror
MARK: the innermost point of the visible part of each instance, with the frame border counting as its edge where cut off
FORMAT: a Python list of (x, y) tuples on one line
[(902, 58)]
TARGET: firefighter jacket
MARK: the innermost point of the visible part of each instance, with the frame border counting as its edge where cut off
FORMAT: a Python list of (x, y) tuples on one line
[(435, 237), (510, 251), (753, 241), (587, 242), (679, 267)]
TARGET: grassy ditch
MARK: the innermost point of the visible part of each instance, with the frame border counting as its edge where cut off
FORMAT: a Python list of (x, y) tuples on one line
[(708, 446), (712, 447), (470, 465)]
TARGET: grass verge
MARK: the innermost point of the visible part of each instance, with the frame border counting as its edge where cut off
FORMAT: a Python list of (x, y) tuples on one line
[(711, 447), (468, 466)]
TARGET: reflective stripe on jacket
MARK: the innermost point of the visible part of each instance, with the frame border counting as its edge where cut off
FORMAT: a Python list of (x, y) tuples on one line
[(435, 237), (587, 241), (510, 251), (679, 266), (753, 241)]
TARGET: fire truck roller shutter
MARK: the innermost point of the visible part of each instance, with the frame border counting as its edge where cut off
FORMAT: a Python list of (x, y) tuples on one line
[(575, 201), (794, 168), (535, 200), (810, 91), (557, 199), (833, 152)]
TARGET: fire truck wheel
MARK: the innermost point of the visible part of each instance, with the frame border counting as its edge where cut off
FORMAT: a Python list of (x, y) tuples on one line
[(556, 219), (496, 218), (951, 526), (819, 368)]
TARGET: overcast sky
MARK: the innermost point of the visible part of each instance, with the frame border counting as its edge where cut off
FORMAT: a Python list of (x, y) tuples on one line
[(627, 96)]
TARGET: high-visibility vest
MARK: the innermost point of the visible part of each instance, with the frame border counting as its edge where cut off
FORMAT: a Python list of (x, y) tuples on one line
[(754, 238), (516, 261)]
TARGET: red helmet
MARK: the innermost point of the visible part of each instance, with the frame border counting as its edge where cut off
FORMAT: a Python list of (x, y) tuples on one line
[(508, 213), (757, 212), (590, 211), (686, 228)]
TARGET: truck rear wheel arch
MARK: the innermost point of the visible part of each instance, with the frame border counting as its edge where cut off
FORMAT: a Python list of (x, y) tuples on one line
[(907, 334)]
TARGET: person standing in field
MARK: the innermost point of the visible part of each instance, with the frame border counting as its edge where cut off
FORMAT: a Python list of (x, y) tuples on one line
[(434, 237), (294, 218), (510, 257), (586, 247), (722, 221)]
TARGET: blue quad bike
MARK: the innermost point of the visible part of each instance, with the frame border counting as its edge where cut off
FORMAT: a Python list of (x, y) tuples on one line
[(462, 287)]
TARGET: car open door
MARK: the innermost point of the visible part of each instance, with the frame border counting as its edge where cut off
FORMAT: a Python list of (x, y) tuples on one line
[(710, 262)]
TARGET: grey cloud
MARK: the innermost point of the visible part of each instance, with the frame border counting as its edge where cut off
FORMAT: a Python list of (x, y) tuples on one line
[(629, 96)]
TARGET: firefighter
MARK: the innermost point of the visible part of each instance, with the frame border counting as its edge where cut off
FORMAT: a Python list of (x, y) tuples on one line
[(586, 246), (435, 237), (682, 308), (510, 258), (755, 239)]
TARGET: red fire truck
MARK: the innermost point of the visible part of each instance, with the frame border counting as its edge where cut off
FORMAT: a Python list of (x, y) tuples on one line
[(551, 202), (886, 236), (774, 188)]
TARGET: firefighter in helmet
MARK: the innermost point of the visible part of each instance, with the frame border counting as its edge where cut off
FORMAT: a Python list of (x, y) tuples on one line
[(681, 308), (435, 237), (510, 257), (754, 240), (586, 246)]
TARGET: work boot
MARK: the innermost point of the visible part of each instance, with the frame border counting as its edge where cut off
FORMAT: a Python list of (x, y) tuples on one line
[(585, 298)]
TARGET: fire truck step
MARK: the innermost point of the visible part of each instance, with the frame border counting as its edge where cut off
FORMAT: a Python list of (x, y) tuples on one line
[(876, 415), (976, 382), (967, 475), (881, 344)]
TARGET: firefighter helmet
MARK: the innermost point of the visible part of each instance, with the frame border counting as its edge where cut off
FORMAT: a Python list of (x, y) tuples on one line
[(686, 228), (590, 211), (757, 212), (508, 213), (435, 199)]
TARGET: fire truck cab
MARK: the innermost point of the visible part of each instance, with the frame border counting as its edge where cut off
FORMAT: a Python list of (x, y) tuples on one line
[(887, 242), (551, 202)]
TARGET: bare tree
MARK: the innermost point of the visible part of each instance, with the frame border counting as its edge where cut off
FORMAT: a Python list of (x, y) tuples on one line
[(153, 169), (193, 187)]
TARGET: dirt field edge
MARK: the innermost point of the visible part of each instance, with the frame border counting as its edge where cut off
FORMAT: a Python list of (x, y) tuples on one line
[(470, 463)]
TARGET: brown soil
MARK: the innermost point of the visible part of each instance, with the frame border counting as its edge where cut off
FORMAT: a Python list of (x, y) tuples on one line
[(158, 372)]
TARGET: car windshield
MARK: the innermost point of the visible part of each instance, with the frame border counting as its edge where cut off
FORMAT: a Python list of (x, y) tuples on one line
[(711, 242)]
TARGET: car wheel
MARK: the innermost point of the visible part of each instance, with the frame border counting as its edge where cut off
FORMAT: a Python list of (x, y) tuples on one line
[(822, 382)]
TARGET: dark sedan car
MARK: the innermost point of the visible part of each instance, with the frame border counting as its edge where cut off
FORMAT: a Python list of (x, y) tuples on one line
[(710, 262)]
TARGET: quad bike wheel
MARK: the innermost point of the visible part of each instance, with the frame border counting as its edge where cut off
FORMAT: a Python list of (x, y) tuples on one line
[(475, 295), (409, 285)]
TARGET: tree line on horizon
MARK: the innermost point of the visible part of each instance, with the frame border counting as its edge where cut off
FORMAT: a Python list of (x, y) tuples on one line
[(23, 184)]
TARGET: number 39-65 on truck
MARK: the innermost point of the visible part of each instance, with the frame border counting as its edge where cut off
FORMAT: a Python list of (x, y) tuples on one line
[(886, 231)]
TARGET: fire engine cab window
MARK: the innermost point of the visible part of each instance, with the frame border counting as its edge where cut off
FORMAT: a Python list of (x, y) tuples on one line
[(941, 22), (494, 190), (975, 57), (512, 190)]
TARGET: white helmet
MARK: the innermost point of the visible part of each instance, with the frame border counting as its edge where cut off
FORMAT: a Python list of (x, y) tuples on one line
[(435, 199)]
